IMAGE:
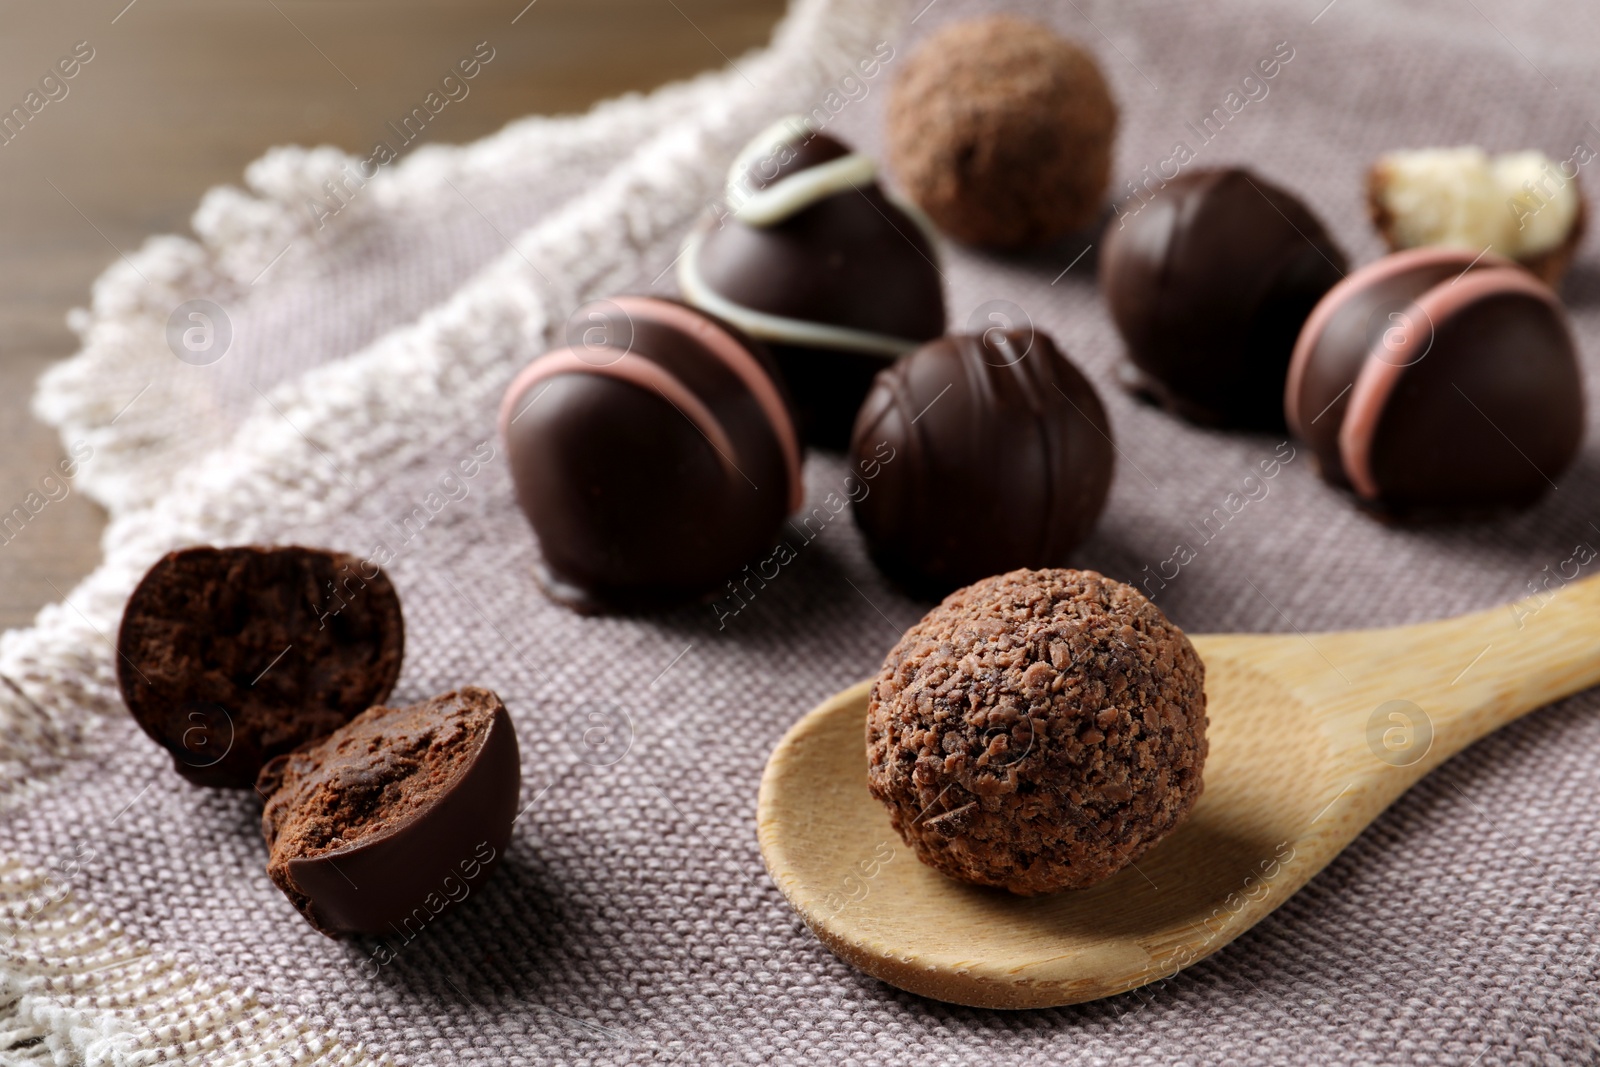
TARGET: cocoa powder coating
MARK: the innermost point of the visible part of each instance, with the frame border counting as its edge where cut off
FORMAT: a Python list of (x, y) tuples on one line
[(1002, 130), (1038, 730)]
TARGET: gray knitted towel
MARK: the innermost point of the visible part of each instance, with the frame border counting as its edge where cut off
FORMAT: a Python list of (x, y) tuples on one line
[(632, 920)]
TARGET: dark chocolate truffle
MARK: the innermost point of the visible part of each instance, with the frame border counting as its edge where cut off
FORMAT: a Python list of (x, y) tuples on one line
[(400, 813), (992, 452), (653, 458), (814, 258), (1438, 381), (1039, 730), (1209, 283), (1002, 132), (230, 656)]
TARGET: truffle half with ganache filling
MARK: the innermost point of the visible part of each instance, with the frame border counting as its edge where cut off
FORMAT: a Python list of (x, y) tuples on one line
[(815, 258), (395, 816), (230, 656), (1038, 730)]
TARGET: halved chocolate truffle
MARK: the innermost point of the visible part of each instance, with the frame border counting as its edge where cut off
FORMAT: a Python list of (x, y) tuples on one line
[(814, 258), (992, 452), (395, 816), (1039, 730), (1438, 380), (1209, 283), (653, 458), (230, 656), (1522, 205)]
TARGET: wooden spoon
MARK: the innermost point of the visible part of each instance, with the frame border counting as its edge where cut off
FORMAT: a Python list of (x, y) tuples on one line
[(1312, 736)]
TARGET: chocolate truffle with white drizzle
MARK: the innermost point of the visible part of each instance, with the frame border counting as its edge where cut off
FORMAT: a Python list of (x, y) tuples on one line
[(1438, 381), (653, 456), (815, 258)]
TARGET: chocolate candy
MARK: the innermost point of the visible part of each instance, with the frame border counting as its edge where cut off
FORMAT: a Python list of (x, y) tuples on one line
[(230, 656), (1002, 132), (1522, 205), (1209, 283), (815, 259), (653, 457), (1438, 380), (395, 816), (995, 453), (1039, 730)]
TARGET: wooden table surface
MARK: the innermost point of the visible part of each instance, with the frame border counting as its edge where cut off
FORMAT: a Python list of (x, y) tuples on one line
[(181, 94)]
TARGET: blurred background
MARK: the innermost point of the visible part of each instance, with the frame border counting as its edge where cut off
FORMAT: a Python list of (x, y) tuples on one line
[(181, 95)]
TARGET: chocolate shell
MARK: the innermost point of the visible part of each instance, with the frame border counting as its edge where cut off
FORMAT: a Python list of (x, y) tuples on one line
[(230, 656), (1438, 381), (815, 259), (980, 453), (653, 458), (394, 817), (1209, 283)]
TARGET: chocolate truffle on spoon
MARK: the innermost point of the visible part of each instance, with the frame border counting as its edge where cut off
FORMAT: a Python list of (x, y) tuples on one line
[(1438, 381), (653, 457), (1000, 457), (999, 694), (1209, 282), (816, 259), (1038, 730)]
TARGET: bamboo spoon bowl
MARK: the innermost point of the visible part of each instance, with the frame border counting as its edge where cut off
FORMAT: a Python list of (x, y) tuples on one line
[(1312, 737)]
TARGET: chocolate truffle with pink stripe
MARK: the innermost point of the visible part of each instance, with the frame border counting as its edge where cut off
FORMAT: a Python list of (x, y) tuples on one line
[(654, 455), (1438, 381)]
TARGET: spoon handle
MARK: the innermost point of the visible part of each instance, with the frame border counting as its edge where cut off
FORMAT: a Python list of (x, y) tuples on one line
[(1429, 690)]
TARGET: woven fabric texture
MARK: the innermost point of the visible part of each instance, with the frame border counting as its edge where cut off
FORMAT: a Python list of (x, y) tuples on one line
[(632, 920)]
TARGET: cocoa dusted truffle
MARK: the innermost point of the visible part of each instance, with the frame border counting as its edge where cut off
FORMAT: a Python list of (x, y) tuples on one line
[(1438, 381), (229, 656), (1521, 205), (813, 257), (1000, 422), (653, 456), (395, 816), (1002, 132), (1038, 730), (1209, 283)]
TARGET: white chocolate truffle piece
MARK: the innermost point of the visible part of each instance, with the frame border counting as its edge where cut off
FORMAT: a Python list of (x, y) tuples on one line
[(1522, 205)]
